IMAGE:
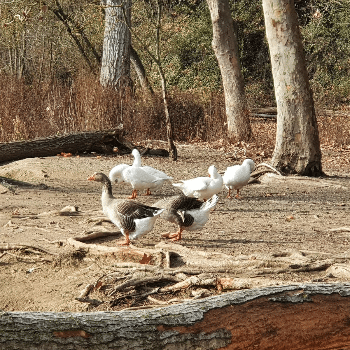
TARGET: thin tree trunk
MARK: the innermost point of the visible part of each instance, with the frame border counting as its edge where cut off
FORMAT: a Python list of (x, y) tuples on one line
[(226, 50), (140, 71), (62, 16), (297, 148), (157, 60), (306, 316), (65, 19), (115, 69), (169, 127)]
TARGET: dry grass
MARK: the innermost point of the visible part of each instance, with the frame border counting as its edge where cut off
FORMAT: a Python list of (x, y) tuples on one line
[(39, 110)]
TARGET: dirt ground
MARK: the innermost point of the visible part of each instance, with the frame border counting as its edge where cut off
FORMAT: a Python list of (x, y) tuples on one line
[(284, 230)]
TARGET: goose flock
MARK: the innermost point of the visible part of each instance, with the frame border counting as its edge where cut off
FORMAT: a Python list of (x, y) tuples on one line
[(188, 210)]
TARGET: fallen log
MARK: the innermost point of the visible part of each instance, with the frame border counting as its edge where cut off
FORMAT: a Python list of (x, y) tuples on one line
[(303, 316), (104, 141), (89, 141)]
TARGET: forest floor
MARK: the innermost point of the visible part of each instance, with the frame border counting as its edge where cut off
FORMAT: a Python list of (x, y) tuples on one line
[(284, 230)]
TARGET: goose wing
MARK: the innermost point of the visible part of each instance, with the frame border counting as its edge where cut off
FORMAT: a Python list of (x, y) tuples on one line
[(155, 172), (196, 184)]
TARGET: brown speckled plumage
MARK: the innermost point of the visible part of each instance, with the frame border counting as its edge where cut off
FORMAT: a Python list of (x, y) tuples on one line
[(186, 212), (131, 217), (176, 207)]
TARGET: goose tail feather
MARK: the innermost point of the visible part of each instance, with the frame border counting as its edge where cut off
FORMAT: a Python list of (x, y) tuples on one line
[(210, 203)]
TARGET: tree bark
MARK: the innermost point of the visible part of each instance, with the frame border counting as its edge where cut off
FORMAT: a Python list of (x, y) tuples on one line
[(226, 50), (305, 316), (140, 71), (297, 148), (115, 69), (98, 141), (169, 126)]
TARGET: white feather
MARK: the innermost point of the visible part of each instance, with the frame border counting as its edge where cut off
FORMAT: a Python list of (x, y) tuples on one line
[(145, 225), (201, 215), (237, 176), (202, 187), (116, 174)]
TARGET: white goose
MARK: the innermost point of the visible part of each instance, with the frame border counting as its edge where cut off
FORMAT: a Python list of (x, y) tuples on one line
[(187, 213), (140, 177), (237, 176), (116, 174), (151, 171), (202, 187), (132, 218)]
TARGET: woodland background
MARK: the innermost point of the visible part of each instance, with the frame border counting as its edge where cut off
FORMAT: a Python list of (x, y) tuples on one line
[(50, 56)]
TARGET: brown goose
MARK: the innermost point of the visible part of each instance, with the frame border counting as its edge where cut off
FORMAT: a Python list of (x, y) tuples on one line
[(132, 218), (188, 213)]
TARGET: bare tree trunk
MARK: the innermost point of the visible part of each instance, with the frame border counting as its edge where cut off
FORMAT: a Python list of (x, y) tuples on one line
[(169, 127), (63, 17), (115, 69), (157, 60), (306, 316), (297, 148), (226, 50), (140, 71)]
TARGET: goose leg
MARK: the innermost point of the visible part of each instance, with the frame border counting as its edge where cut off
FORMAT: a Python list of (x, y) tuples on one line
[(229, 193), (133, 194), (148, 192), (177, 235), (238, 195), (127, 240)]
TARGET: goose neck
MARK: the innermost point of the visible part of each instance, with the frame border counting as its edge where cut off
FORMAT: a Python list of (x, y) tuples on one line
[(107, 189), (137, 160)]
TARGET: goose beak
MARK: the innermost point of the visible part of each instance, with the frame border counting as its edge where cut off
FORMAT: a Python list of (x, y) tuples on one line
[(91, 178)]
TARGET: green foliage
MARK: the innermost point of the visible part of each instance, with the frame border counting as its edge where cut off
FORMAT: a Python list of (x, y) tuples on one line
[(186, 54), (326, 33), (191, 60), (188, 58)]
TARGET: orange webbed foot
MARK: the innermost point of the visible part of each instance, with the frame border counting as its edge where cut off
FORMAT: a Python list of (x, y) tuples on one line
[(148, 192), (133, 194)]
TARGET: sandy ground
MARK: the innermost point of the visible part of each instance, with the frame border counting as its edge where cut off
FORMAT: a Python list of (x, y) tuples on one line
[(284, 230)]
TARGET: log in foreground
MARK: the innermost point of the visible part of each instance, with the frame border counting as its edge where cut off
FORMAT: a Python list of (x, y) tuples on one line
[(304, 316)]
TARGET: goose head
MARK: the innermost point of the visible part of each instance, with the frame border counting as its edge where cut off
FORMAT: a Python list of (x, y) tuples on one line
[(250, 163), (99, 177), (213, 173)]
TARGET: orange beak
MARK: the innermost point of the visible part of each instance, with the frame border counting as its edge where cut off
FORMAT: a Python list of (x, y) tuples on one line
[(91, 178)]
